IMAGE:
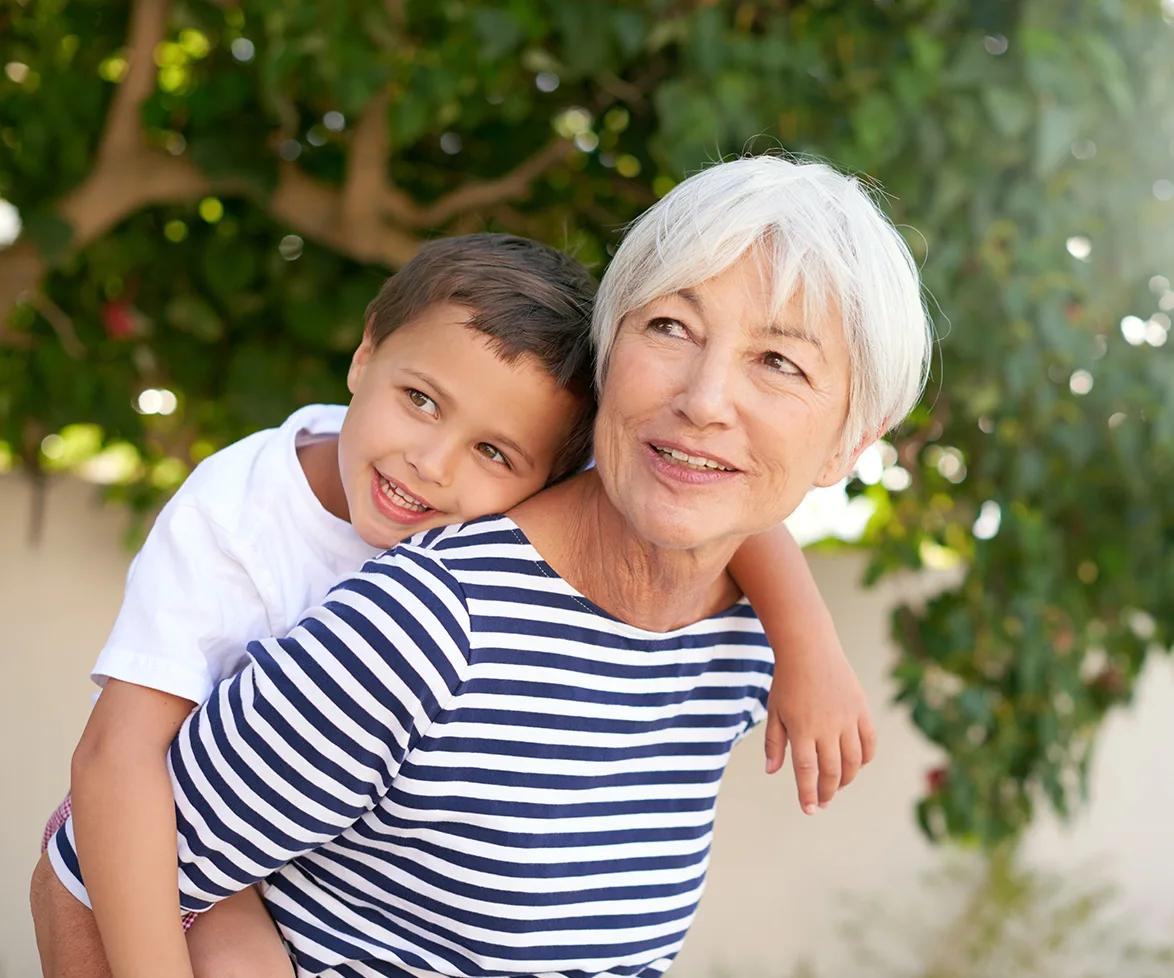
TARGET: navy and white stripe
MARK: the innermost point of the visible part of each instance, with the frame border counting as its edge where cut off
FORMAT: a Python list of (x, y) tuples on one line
[(460, 766)]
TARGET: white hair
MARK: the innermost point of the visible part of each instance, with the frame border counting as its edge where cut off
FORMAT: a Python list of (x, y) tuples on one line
[(818, 232)]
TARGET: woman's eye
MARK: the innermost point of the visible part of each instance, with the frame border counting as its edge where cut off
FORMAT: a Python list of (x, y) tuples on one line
[(784, 365), (492, 453), (422, 401), (668, 327)]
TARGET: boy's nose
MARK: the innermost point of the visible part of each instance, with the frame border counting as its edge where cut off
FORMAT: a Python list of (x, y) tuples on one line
[(434, 461)]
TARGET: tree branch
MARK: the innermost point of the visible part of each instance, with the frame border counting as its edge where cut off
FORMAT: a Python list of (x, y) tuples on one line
[(315, 210), (368, 194), (21, 268), (395, 12), (620, 89), (512, 186), (151, 177), (124, 131), (61, 323), (368, 219)]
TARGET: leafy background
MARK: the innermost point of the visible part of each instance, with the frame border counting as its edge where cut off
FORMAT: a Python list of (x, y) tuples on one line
[(210, 192)]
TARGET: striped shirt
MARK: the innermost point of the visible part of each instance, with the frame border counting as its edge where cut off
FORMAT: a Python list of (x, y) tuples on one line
[(460, 766)]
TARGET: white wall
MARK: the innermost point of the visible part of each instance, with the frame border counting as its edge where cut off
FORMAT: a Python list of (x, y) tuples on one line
[(779, 880), (57, 603)]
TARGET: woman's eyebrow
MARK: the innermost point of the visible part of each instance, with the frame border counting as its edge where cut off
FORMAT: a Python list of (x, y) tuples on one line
[(797, 333), (800, 333), (693, 298)]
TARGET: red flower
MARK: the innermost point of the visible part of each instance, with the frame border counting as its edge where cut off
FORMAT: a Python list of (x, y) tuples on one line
[(119, 320), (936, 778)]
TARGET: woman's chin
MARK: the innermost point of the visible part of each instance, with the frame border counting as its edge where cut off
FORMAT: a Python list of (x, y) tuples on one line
[(674, 528)]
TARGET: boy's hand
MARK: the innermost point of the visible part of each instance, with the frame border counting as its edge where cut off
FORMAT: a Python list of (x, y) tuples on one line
[(816, 703)]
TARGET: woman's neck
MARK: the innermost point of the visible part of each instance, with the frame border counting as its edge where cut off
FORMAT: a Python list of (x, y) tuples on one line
[(593, 548)]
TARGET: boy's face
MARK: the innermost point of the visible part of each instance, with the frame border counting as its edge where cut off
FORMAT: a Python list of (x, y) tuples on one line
[(442, 430)]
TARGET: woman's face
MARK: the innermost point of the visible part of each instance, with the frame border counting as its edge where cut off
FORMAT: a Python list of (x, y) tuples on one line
[(715, 421)]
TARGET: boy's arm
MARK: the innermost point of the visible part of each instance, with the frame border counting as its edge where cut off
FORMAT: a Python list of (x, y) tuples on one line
[(124, 829), (816, 701), (190, 602), (308, 738)]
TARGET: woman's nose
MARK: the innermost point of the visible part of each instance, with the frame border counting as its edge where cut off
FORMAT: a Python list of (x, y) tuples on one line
[(706, 395)]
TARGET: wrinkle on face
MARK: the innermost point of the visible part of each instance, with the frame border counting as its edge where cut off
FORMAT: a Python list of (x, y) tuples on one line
[(723, 382)]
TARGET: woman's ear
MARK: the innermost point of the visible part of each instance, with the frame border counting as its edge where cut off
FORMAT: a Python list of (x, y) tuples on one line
[(361, 358), (841, 464)]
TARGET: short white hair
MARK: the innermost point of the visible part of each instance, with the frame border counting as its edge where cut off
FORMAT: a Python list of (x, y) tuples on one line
[(816, 230)]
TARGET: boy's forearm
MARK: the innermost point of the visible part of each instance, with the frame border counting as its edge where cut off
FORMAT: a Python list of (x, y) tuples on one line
[(772, 572), (124, 827)]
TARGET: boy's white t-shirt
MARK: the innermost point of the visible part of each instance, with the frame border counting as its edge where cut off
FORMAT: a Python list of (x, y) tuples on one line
[(239, 553)]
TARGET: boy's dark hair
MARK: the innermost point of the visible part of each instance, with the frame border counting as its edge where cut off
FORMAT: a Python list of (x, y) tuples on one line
[(527, 297)]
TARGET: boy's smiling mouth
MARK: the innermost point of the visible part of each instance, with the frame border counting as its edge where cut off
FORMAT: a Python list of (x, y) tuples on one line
[(396, 502)]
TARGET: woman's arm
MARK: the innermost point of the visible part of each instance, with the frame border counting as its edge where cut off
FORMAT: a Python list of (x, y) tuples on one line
[(124, 829), (816, 702)]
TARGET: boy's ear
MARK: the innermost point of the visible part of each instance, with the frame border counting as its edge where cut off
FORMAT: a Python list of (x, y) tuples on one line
[(360, 360)]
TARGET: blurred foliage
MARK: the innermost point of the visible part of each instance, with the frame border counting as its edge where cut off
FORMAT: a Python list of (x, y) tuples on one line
[(993, 916), (199, 278)]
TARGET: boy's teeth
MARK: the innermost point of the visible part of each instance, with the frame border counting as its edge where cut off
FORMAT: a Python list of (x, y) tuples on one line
[(401, 498), (694, 461)]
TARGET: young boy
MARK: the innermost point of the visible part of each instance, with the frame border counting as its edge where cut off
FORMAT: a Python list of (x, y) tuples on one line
[(471, 391)]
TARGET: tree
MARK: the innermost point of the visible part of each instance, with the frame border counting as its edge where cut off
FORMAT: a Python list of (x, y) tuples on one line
[(212, 191)]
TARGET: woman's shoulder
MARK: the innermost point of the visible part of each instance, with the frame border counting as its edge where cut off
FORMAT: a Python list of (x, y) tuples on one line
[(499, 574), (453, 556), (481, 541)]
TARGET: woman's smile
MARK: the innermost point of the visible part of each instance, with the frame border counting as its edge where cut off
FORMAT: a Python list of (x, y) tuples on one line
[(680, 466)]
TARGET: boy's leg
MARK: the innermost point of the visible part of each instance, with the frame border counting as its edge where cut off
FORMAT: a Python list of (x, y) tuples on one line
[(67, 935), (238, 939)]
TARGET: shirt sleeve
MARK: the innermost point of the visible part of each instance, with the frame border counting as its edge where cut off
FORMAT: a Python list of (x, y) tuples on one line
[(297, 747), (189, 605)]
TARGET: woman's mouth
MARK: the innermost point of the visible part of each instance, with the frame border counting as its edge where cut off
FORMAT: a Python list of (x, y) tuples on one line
[(396, 503), (675, 456)]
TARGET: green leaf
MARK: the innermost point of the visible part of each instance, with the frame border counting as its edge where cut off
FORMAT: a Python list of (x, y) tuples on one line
[(51, 234), (196, 316), (875, 121), (1010, 110), (1111, 71), (631, 30), (1058, 129), (500, 34)]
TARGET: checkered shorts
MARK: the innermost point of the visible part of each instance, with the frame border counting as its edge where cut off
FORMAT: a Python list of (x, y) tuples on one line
[(59, 817)]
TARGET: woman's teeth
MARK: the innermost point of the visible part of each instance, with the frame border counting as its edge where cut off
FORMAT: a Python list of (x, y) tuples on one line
[(692, 461), (401, 498)]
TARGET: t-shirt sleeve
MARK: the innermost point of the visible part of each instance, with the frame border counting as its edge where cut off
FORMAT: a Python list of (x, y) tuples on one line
[(297, 747), (190, 604)]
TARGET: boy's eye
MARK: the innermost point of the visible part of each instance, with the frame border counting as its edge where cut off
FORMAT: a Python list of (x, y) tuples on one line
[(784, 365), (668, 327), (492, 453), (422, 401)]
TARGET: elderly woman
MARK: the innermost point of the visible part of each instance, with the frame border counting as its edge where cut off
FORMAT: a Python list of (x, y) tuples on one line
[(496, 750)]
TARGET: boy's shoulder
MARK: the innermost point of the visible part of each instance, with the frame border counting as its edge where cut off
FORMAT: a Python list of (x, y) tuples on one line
[(260, 469)]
